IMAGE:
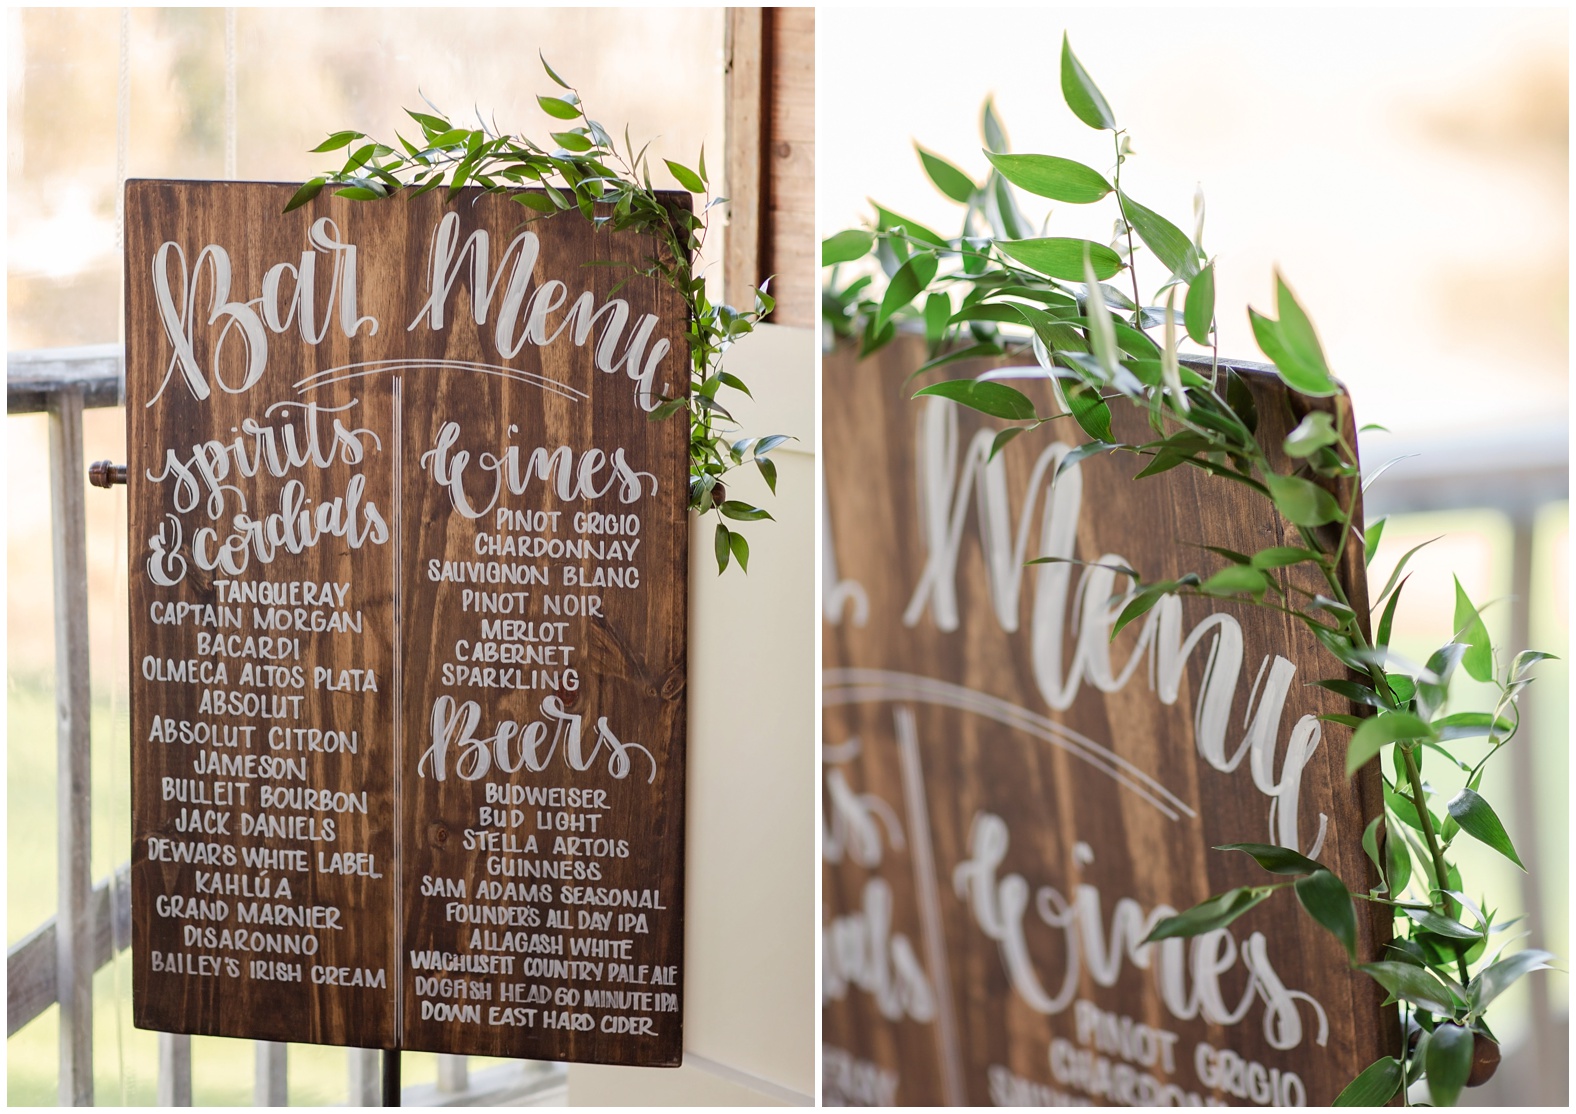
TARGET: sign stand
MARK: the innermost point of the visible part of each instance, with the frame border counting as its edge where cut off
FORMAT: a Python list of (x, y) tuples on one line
[(391, 1088)]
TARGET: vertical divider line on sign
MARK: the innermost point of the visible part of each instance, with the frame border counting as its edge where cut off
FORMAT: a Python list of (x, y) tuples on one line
[(929, 904), (398, 873)]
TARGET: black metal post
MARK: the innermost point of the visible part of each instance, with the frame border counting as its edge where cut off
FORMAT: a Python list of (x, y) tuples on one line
[(391, 1077)]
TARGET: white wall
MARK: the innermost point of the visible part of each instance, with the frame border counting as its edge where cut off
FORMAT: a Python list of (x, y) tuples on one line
[(750, 918)]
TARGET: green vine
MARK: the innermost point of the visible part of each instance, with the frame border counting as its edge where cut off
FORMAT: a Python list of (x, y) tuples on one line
[(996, 290), (585, 169)]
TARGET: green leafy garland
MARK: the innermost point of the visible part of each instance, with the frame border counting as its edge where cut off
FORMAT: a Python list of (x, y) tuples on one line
[(585, 170), (995, 290)]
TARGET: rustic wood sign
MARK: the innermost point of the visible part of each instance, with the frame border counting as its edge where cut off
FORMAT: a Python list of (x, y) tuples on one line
[(1011, 801), (408, 620)]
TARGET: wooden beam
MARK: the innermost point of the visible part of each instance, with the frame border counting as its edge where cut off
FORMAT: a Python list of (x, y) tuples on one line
[(30, 962), (745, 80), (74, 964), (790, 254)]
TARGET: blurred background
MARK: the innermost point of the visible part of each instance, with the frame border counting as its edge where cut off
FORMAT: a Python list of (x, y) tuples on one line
[(98, 95), (1407, 172)]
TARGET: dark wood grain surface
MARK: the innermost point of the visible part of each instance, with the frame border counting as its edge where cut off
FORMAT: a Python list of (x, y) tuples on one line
[(442, 807), (1011, 801)]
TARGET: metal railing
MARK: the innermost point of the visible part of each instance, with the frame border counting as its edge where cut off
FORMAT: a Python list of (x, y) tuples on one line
[(55, 963)]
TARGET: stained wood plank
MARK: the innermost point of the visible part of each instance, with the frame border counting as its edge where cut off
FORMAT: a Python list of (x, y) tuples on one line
[(745, 109), (438, 690), (791, 166), (1011, 801)]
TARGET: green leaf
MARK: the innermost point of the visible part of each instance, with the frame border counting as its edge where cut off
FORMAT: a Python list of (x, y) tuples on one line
[(1442, 925), (1198, 312), (1280, 556), (1087, 449), (430, 125), (451, 138), (1240, 397), (740, 511), (886, 220), (560, 81), (358, 193), (1206, 916), (1139, 604), (1376, 731), (911, 278), (768, 470), (1314, 432), (572, 141), (1296, 333), (1471, 725), (1405, 811), (1371, 537), (1327, 901), (1414, 984), (1169, 243), (1526, 660), (850, 244), (1376, 1085), (1235, 580), (948, 178), (686, 177), (1301, 501), (309, 189), (1371, 843), (1275, 859), (767, 444), (723, 547), (1296, 375), (558, 108), (1479, 658), (1496, 978), (1063, 257), (336, 141), (1352, 690), (1003, 438), (1081, 93), (1448, 1062), (1229, 554), (1049, 176), (988, 397), (990, 127), (735, 382), (1164, 460), (533, 199), (1089, 410), (741, 548), (1398, 862), (938, 313), (1480, 822)]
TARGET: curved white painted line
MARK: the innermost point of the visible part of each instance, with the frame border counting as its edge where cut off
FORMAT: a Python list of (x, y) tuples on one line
[(374, 367), (874, 686)]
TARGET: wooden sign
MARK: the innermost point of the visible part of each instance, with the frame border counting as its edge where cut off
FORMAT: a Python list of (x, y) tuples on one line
[(1012, 801), (408, 621)]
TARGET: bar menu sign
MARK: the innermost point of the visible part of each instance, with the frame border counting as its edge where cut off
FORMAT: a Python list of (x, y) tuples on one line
[(408, 607), (1013, 800)]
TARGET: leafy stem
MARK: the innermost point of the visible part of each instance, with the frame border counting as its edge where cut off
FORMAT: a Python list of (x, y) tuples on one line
[(611, 189), (1127, 225)]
